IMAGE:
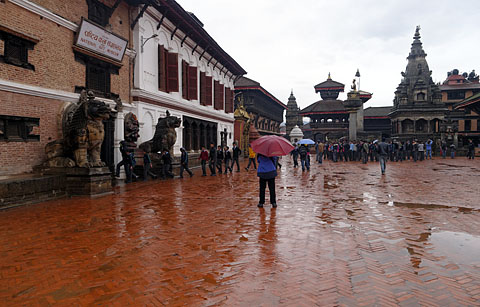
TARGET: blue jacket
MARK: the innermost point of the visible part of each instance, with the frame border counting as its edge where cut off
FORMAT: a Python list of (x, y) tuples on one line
[(266, 167)]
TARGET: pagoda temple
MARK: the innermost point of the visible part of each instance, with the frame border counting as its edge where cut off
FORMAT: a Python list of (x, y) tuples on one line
[(328, 116), (418, 109)]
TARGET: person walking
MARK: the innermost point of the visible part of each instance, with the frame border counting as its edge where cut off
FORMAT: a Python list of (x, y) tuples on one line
[(267, 173), (444, 149), (227, 157), (184, 163), (303, 151), (452, 151), (471, 150), (364, 152), (382, 149), (421, 151), (124, 152), (167, 164), (428, 146), (203, 160), (212, 162), (415, 150), (294, 154), (321, 148), (147, 166), (235, 155), (251, 158), (219, 159)]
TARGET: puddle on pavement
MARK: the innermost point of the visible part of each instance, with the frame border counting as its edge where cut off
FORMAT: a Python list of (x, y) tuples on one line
[(462, 248)]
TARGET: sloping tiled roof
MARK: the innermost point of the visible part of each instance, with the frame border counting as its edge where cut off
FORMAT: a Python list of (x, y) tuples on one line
[(470, 100), (329, 84), (377, 111), (244, 83), (324, 106), (459, 86)]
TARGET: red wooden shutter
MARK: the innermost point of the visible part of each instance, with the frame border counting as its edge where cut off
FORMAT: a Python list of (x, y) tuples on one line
[(203, 98), (162, 84), (208, 91), (192, 83), (219, 95), (172, 72), (215, 94), (184, 80), (228, 100)]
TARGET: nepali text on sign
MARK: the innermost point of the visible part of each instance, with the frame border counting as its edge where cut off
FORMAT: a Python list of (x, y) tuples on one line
[(95, 38)]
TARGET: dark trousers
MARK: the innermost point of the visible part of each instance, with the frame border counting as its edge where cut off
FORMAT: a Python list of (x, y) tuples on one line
[(228, 166), (235, 160), (147, 172), (119, 165), (219, 165), (271, 188), (211, 165), (184, 166), (250, 160), (128, 172), (204, 167), (295, 160)]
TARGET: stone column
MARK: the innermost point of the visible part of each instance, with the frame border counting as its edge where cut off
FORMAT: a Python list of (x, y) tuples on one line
[(360, 118), (119, 136), (352, 125)]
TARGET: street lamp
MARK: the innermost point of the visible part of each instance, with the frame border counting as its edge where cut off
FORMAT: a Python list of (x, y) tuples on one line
[(146, 40)]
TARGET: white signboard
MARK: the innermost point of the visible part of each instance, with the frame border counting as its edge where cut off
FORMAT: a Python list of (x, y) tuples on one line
[(95, 38)]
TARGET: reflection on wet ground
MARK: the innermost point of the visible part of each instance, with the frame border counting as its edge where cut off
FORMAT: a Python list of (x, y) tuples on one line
[(341, 235)]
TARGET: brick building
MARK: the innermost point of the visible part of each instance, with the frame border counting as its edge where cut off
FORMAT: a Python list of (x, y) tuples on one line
[(44, 65)]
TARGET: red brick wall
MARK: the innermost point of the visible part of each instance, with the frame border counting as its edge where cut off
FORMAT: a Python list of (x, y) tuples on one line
[(52, 56), (19, 157)]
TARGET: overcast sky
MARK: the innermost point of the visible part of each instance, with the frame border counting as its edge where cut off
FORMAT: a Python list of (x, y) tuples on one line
[(288, 45)]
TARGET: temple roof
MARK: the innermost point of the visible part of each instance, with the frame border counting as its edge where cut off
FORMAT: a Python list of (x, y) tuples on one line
[(473, 100), (329, 85), (244, 83), (377, 112), (324, 107)]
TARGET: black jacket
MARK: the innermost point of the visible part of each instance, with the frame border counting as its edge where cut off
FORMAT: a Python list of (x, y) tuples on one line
[(236, 152)]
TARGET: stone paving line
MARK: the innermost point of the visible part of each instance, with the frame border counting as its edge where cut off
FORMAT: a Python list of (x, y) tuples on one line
[(342, 235)]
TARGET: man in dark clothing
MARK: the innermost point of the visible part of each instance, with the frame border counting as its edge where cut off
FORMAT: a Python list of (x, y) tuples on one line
[(184, 163), (203, 160), (129, 165), (147, 165), (167, 165), (227, 157), (124, 152), (382, 149), (303, 151), (409, 149), (236, 154), (444, 149), (471, 150), (294, 154), (219, 159), (212, 162)]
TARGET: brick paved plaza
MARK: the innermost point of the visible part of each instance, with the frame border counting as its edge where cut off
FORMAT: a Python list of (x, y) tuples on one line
[(342, 235)]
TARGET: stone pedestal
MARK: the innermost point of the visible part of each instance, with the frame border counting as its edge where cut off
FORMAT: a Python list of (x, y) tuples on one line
[(92, 182), (352, 105), (352, 125)]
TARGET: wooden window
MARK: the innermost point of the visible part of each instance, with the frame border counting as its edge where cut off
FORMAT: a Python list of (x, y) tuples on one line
[(189, 81), (203, 90), (219, 96), (468, 125), (192, 83), (228, 100), (167, 70), (208, 91), (172, 72), (162, 69), (98, 78), (15, 50), (98, 12), (184, 80), (18, 129)]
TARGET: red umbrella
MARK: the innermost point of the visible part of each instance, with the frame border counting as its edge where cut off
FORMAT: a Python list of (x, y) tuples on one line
[(272, 145)]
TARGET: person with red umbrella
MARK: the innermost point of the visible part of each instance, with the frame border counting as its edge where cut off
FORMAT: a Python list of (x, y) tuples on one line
[(268, 148)]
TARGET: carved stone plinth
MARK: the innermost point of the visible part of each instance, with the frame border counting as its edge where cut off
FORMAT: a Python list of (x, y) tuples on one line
[(92, 182)]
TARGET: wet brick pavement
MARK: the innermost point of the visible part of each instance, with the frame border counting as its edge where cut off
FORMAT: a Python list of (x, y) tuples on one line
[(342, 235)]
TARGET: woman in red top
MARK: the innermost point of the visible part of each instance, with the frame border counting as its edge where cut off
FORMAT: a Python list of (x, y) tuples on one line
[(203, 159)]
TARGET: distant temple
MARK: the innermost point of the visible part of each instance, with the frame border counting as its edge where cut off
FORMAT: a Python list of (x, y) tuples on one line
[(418, 108)]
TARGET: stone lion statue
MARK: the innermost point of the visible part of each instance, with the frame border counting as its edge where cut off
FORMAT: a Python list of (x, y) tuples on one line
[(83, 134), (165, 135)]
